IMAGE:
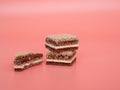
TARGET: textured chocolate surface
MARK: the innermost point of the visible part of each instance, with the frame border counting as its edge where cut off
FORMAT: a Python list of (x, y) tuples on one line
[(66, 55), (62, 39)]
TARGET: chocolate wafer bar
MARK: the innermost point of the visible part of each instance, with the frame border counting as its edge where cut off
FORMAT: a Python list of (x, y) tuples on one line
[(27, 59), (61, 42), (66, 57)]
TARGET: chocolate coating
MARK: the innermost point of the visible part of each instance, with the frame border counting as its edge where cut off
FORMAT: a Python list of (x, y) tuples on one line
[(62, 39)]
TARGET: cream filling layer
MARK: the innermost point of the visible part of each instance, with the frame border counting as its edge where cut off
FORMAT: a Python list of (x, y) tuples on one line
[(60, 47), (27, 64), (62, 61)]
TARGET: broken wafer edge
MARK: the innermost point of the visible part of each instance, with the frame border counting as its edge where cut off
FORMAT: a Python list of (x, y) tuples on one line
[(28, 64)]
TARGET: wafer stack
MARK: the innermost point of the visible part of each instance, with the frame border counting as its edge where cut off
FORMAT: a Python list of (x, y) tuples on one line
[(61, 48)]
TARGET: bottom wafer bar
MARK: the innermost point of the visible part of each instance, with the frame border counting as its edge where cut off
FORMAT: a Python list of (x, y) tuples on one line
[(61, 61), (66, 57)]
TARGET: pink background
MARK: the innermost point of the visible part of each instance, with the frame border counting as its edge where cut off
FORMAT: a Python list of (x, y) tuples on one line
[(24, 25)]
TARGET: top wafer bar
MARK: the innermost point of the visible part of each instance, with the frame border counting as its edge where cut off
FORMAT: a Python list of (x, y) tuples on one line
[(61, 42)]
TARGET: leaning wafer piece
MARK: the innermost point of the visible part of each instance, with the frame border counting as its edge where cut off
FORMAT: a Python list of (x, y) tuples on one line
[(25, 60), (61, 42)]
